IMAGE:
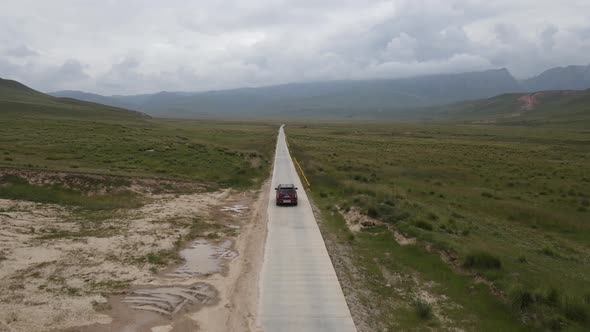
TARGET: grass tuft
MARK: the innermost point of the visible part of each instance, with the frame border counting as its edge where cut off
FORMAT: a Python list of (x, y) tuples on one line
[(423, 309), (482, 260), (575, 310), (521, 299)]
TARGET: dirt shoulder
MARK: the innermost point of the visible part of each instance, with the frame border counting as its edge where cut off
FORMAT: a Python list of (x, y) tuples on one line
[(239, 289)]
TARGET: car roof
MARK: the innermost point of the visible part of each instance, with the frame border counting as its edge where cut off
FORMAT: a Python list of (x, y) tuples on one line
[(287, 186)]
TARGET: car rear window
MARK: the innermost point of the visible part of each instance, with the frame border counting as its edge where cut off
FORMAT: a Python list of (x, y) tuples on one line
[(289, 191)]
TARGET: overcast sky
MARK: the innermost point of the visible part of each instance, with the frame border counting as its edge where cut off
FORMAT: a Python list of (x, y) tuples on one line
[(140, 46)]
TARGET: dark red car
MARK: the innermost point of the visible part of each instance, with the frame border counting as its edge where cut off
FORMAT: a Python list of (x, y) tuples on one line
[(286, 194)]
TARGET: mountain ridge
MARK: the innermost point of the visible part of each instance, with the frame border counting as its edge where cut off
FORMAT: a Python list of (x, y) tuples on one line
[(376, 94), (573, 77)]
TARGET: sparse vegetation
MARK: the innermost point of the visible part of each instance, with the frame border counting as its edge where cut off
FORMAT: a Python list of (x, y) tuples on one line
[(163, 257), (499, 202), (15, 187)]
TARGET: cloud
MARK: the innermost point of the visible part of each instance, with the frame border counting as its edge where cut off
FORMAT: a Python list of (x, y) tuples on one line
[(21, 51), (140, 46)]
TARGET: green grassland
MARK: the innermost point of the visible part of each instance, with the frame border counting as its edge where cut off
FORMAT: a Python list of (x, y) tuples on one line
[(217, 154), (509, 204), (44, 132)]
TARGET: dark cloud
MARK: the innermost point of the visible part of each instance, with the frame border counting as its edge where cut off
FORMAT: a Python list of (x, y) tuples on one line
[(139, 46)]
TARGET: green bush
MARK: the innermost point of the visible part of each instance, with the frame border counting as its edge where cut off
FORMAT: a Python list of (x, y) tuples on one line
[(521, 299), (423, 309), (482, 260), (555, 323), (575, 311), (548, 252), (553, 297), (372, 212), (424, 225)]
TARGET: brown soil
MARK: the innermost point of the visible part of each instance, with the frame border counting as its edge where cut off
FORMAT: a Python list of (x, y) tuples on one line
[(528, 102)]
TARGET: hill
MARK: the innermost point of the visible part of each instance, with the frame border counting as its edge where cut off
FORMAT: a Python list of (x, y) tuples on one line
[(19, 100), (320, 99), (560, 78), (93, 98), (567, 106)]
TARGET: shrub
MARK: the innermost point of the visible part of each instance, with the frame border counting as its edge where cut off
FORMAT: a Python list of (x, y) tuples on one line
[(423, 309), (552, 297), (575, 311), (521, 299), (372, 212), (351, 237), (482, 260), (548, 252), (424, 225), (555, 323)]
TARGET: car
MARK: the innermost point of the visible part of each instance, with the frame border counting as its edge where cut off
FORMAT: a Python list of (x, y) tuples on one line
[(286, 194)]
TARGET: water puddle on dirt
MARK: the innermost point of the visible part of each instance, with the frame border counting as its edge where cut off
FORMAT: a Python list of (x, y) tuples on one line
[(170, 300), (203, 258), (238, 208)]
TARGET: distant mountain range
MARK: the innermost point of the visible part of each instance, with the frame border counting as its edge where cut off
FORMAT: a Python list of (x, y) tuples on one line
[(326, 99), (571, 107)]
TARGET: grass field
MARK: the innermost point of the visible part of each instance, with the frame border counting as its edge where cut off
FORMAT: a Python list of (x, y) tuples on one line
[(44, 132), (217, 154), (507, 206)]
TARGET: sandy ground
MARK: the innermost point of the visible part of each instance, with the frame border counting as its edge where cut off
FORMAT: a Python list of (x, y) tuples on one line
[(56, 277)]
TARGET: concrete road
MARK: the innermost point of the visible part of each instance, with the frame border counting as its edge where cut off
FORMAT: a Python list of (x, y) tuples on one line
[(299, 290)]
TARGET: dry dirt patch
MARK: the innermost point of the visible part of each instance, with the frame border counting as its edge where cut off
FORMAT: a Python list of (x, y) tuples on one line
[(57, 272), (357, 221)]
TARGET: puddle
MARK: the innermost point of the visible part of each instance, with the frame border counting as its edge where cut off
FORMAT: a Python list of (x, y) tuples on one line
[(203, 258), (235, 208), (170, 300)]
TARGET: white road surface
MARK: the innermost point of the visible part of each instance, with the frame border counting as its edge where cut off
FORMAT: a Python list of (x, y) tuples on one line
[(299, 290)]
